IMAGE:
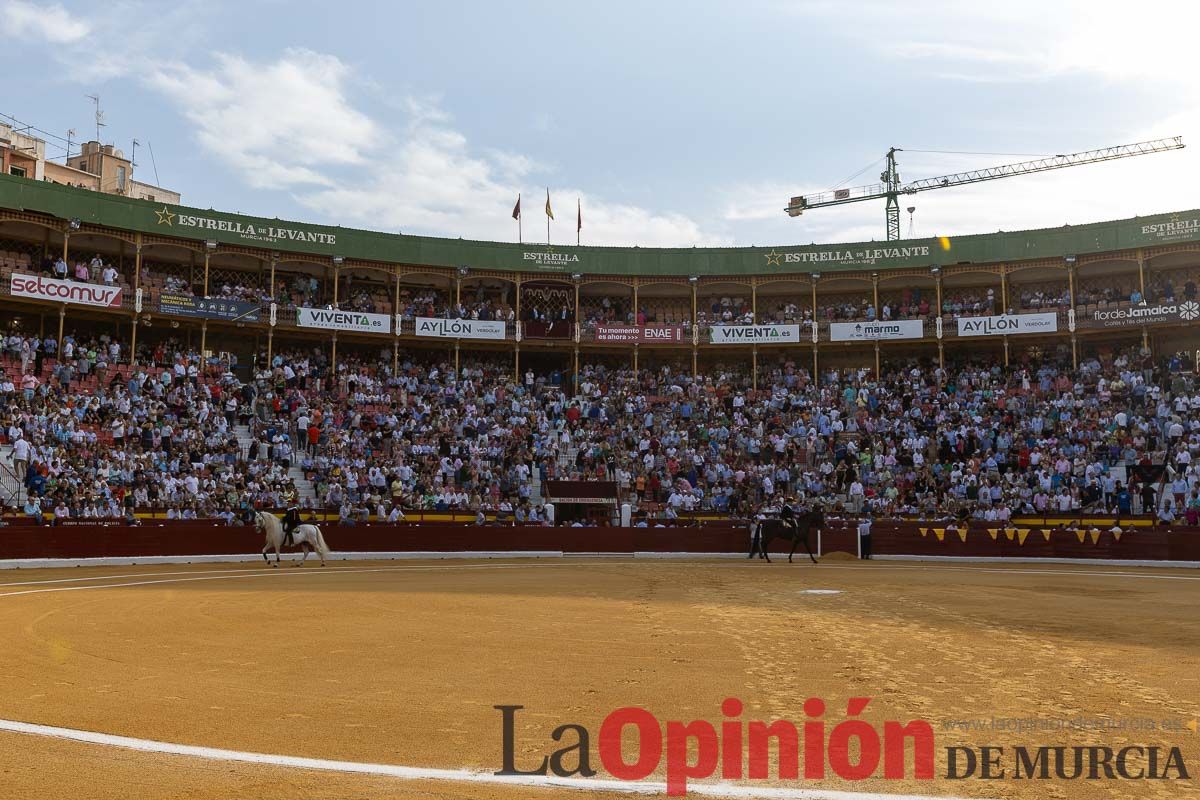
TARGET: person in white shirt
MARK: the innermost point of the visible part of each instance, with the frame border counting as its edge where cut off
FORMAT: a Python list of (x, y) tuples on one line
[(21, 451)]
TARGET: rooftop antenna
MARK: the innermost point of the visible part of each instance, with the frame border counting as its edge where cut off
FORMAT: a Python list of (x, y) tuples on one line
[(95, 98), (133, 156), (153, 163), (70, 133)]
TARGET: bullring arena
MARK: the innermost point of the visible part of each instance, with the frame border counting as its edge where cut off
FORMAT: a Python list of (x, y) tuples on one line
[(538, 469), (399, 664)]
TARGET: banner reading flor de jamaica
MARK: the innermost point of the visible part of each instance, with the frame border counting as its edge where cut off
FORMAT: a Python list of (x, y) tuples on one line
[(755, 334), (460, 328), (873, 331), (353, 321), (39, 287), (1046, 322)]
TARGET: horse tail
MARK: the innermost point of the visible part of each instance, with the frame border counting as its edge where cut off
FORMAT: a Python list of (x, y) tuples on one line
[(322, 548)]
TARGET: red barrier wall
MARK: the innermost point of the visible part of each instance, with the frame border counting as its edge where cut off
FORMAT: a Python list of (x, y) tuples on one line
[(180, 538)]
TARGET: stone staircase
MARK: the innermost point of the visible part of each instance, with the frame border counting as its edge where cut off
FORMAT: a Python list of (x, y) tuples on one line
[(242, 434), (304, 487), (535, 485), (12, 490)]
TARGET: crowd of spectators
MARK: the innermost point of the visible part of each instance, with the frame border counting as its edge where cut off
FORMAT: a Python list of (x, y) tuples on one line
[(191, 437)]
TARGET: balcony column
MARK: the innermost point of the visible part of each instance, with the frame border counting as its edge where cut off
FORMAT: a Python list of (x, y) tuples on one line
[(62, 315)]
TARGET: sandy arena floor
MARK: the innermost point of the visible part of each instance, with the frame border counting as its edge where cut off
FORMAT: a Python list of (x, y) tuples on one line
[(401, 663)]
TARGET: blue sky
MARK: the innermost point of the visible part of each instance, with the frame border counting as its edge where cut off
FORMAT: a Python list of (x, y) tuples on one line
[(677, 123)]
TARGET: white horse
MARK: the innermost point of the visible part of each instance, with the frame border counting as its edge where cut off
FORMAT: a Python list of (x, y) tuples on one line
[(306, 537)]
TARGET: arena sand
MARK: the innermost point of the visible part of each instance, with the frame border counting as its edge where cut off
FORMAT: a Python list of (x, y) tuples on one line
[(402, 662)]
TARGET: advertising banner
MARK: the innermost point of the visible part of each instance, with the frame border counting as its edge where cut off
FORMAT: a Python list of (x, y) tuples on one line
[(874, 331), (648, 334), (208, 307), (1008, 324), (755, 334), (1160, 314), (353, 321), (460, 328), (40, 287)]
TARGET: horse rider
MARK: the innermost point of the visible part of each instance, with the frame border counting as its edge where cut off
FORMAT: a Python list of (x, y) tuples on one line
[(787, 513), (291, 521)]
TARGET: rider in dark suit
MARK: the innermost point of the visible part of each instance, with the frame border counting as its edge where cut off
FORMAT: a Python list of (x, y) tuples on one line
[(291, 521)]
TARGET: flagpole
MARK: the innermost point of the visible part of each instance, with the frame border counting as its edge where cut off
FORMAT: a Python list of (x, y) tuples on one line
[(520, 238), (578, 220)]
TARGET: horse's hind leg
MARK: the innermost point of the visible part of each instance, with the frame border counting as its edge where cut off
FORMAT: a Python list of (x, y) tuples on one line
[(809, 549), (793, 550), (303, 558)]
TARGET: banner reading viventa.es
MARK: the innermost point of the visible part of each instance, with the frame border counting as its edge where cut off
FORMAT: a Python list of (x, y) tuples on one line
[(354, 321), (755, 334)]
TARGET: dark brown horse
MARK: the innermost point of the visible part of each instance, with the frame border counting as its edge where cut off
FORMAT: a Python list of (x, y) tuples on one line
[(797, 533)]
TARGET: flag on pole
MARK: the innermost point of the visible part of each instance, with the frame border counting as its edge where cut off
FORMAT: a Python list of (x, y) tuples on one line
[(517, 208), (549, 211)]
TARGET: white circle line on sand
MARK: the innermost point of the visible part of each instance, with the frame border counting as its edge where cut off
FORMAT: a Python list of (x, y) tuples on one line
[(208, 575), (262, 572), (728, 790)]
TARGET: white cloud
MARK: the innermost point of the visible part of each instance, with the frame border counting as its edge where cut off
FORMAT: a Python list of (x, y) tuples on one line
[(279, 124), (1151, 53), (50, 22), (433, 182)]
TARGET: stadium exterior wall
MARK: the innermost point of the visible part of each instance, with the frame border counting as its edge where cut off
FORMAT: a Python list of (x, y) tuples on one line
[(202, 538), (198, 225)]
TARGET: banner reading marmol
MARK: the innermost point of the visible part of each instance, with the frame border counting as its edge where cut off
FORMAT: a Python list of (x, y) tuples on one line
[(185, 305), (42, 288), (460, 328), (353, 321), (755, 334), (873, 331), (1008, 324)]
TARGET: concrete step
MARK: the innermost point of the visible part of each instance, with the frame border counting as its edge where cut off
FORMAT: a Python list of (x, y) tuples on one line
[(304, 486), (12, 490)]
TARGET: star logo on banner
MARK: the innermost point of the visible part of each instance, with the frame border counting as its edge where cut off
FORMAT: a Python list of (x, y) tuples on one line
[(1189, 310), (165, 216), (773, 258)]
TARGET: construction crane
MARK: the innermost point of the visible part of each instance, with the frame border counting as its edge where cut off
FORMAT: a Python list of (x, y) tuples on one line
[(891, 188)]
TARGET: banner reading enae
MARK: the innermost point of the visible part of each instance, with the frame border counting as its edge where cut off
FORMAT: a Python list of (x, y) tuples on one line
[(353, 321), (460, 328)]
